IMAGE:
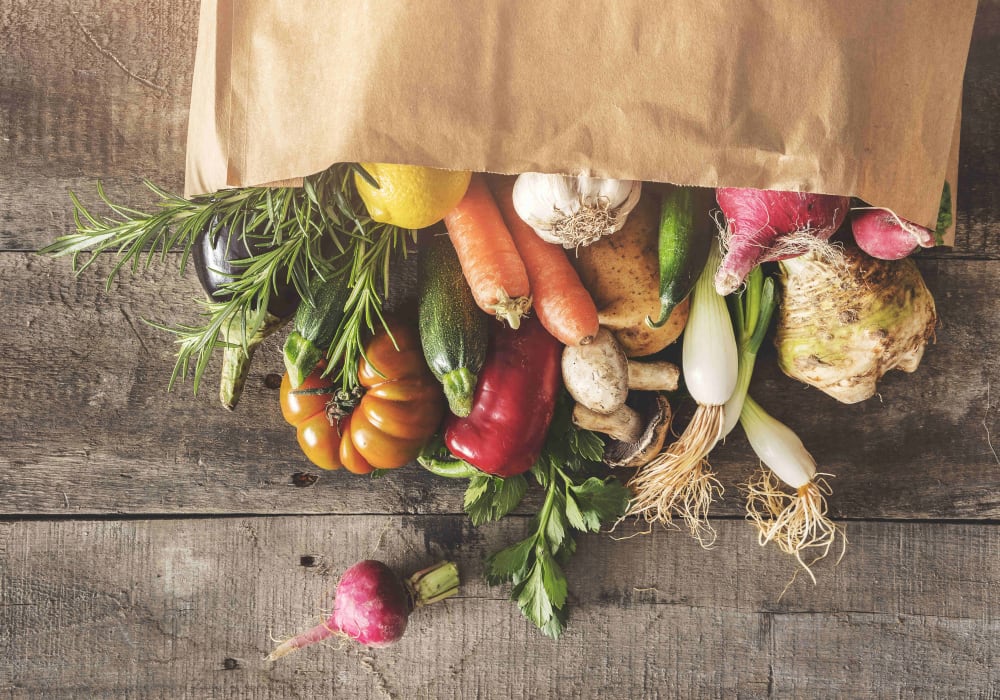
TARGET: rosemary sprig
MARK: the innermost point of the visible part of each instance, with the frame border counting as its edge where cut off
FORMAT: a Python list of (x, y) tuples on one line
[(369, 282), (320, 228), (246, 309)]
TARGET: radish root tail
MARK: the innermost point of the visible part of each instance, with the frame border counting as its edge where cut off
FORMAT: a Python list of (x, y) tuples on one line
[(791, 245), (795, 522), (316, 634), (679, 481)]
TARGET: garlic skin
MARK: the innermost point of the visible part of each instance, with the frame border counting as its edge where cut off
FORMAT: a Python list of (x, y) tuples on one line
[(574, 211)]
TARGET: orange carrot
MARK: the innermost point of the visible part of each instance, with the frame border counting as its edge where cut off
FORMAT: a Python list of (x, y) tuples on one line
[(490, 262), (564, 307)]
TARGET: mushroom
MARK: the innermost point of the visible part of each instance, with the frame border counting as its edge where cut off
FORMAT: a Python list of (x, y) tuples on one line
[(636, 435), (599, 376)]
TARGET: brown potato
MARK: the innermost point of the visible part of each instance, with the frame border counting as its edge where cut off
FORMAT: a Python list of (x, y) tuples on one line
[(622, 274)]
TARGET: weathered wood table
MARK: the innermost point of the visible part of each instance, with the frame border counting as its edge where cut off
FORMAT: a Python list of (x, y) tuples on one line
[(153, 545)]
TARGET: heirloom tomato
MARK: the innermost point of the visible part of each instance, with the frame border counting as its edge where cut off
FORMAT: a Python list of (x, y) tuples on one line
[(395, 410)]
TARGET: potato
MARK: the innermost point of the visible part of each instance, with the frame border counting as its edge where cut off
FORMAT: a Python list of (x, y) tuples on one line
[(622, 274)]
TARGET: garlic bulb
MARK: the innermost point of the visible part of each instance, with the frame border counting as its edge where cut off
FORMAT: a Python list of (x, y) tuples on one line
[(574, 211)]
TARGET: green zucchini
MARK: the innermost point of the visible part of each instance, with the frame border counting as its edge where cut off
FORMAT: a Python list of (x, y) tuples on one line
[(686, 228), (315, 326), (454, 332)]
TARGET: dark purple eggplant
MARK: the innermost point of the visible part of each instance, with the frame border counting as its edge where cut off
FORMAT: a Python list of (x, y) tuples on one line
[(216, 255)]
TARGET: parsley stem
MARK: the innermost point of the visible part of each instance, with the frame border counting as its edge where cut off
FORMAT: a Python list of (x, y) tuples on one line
[(546, 511)]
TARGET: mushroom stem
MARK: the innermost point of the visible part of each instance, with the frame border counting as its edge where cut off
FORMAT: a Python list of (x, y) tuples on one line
[(653, 376), (624, 425)]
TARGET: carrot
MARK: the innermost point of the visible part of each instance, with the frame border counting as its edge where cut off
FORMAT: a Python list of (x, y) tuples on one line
[(564, 307), (490, 261)]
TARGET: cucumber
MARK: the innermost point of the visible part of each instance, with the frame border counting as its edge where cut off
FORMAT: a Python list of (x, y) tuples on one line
[(686, 228), (315, 326), (454, 332)]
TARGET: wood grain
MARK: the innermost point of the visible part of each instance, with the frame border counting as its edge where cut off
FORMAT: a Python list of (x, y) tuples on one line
[(97, 602), (89, 90), (87, 424), (187, 608)]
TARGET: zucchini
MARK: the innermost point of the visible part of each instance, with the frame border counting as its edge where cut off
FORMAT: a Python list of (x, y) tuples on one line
[(453, 331), (315, 326), (686, 228)]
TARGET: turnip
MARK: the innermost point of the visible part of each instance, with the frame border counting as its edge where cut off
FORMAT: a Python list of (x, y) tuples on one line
[(882, 234), (373, 605), (843, 325), (768, 225)]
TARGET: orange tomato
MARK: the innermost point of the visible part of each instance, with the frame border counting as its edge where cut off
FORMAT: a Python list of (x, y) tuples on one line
[(399, 410)]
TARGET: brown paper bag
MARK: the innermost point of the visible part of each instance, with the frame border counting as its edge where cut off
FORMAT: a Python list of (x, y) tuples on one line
[(854, 97)]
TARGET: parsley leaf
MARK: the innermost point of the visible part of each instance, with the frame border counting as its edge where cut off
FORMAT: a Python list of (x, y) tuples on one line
[(489, 498), (596, 500), (587, 445), (574, 500), (556, 524), (510, 564), (532, 597)]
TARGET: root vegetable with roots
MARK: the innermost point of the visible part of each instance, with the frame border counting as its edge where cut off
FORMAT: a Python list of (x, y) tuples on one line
[(842, 326), (679, 481), (796, 521), (768, 225), (372, 604), (882, 234), (574, 211)]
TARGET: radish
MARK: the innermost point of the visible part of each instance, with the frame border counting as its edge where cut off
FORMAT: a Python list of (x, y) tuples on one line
[(373, 605), (882, 234), (768, 225)]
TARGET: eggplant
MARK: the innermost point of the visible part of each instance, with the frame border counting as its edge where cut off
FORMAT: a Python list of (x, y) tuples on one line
[(216, 253)]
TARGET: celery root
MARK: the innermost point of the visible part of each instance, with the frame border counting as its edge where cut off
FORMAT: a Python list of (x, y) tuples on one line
[(844, 324)]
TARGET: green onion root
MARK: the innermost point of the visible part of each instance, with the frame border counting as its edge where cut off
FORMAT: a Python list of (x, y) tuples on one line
[(795, 522), (679, 481)]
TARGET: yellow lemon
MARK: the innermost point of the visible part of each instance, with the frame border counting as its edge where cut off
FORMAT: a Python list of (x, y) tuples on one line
[(411, 196)]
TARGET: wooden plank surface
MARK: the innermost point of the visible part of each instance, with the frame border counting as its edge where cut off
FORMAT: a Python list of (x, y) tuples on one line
[(96, 601), (89, 90), (187, 608), (87, 424)]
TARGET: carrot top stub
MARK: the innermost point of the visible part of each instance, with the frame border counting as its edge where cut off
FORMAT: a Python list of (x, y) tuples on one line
[(490, 261)]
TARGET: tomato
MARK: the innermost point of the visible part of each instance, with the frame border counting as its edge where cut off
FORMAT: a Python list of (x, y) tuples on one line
[(399, 410)]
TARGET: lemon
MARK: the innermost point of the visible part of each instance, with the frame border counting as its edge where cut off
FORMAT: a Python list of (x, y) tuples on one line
[(411, 196)]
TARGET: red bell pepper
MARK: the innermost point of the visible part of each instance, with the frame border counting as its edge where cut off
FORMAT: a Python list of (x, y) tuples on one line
[(513, 405)]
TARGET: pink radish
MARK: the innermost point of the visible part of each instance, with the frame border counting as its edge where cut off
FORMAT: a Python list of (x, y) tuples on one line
[(882, 234), (767, 225), (373, 605)]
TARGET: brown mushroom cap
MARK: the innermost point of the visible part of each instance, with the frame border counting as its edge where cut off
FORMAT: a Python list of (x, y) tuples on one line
[(654, 410)]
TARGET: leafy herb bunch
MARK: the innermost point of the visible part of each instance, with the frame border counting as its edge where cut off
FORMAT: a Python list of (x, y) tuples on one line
[(578, 497), (297, 233)]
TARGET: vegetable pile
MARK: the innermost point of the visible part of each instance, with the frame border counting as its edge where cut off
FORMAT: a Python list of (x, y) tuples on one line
[(535, 350)]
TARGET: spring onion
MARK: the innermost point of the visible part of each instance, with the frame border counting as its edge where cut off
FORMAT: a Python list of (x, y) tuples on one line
[(679, 481), (752, 310), (798, 521), (795, 522)]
